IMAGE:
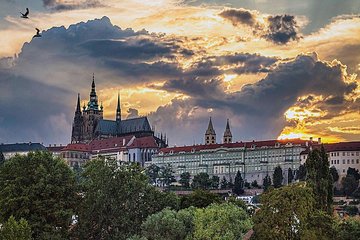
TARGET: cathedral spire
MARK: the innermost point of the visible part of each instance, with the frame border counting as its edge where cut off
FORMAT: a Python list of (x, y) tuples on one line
[(210, 135), (118, 109), (227, 134), (78, 104)]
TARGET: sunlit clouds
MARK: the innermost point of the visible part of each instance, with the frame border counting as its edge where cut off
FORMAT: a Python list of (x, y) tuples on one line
[(181, 63)]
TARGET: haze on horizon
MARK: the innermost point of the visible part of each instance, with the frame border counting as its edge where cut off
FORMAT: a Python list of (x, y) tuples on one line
[(281, 69)]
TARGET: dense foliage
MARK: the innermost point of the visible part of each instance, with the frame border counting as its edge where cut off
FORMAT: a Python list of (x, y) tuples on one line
[(319, 178), (278, 177), (238, 187), (15, 230), (199, 198), (117, 199), (40, 189)]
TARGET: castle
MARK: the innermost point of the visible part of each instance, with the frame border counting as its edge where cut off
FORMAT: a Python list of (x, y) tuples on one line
[(89, 123)]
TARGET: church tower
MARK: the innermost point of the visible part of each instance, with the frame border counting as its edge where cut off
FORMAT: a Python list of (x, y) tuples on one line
[(210, 135), (76, 135), (118, 110), (227, 138), (91, 114)]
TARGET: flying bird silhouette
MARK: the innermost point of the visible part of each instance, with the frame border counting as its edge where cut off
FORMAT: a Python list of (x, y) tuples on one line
[(37, 33), (25, 15)]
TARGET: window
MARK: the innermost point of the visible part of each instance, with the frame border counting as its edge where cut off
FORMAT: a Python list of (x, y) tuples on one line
[(357, 161), (352, 161), (343, 161), (348, 161)]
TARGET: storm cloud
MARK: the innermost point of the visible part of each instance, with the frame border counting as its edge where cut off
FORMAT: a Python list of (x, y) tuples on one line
[(279, 29)]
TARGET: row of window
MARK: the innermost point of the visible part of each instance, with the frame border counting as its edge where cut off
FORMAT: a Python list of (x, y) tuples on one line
[(352, 153), (348, 161)]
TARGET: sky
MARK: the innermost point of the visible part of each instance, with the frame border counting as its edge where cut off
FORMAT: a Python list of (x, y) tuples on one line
[(275, 69)]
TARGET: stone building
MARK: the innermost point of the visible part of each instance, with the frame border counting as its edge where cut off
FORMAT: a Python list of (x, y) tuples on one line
[(89, 124)]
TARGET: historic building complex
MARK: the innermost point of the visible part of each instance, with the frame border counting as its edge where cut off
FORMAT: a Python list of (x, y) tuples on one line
[(89, 123), (254, 159)]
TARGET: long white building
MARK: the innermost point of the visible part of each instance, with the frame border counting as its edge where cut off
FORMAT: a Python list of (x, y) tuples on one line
[(254, 159)]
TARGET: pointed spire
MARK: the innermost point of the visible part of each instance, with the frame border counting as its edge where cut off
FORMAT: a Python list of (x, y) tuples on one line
[(78, 104), (118, 109), (210, 129), (227, 134), (93, 82)]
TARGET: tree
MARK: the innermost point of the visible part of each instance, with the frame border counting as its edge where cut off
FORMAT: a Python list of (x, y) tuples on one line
[(349, 229), (169, 225), (266, 182), (238, 184), (199, 199), (290, 176), (41, 189), (215, 182), (201, 181), (2, 158), (166, 175), (185, 179), (349, 184), (289, 213), (255, 184), (301, 173), (278, 177), (224, 183), (352, 210), (78, 171), (13, 230), (221, 222), (319, 178), (153, 173), (334, 173), (354, 172), (117, 199)]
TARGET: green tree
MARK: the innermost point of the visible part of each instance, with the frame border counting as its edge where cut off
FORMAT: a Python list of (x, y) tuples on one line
[(13, 230), (117, 199), (238, 184), (290, 176), (78, 171), (354, 172), (255, 184), (349, 184), (2, 158), (215, 182), (277, 177), (221, 222), (41, 189), (289, 213), (153, 173), (202, 181), (166, 175), (349, 229), (169, 225), (334, 173), (352, 210), (266, 182), (319, 178), (199, 199), (224, 183), (185, 179), (301, 173)]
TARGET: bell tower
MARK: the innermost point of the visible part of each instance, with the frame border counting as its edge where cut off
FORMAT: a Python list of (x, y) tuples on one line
[(210, 135), (227, 138)]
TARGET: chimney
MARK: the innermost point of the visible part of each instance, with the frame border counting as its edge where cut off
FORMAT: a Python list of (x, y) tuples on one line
[(319, 140), (123, 141), (307, 143)]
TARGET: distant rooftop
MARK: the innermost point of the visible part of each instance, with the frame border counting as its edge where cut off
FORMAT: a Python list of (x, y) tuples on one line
[(22, 147)]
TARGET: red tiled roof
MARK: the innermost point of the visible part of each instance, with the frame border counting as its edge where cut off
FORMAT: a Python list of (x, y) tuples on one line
[(110, 143), (80, 147), (197, 148), (144, 142), (335, 147)]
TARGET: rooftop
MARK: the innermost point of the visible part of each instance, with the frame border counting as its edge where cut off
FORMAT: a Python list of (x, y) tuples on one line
[(22, 147)]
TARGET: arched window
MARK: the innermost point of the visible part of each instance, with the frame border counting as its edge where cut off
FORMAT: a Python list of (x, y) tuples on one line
[(134, 157)]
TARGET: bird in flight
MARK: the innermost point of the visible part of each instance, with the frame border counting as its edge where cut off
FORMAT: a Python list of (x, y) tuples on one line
[(37, 33), (25, 15)]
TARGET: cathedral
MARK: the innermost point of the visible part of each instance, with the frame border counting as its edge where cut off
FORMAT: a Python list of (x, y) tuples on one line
[(89, 123)]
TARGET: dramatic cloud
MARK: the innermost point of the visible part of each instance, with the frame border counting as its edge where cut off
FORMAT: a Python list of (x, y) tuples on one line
[(71, 4), (279, 29), (260, 107), (132, 113)]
